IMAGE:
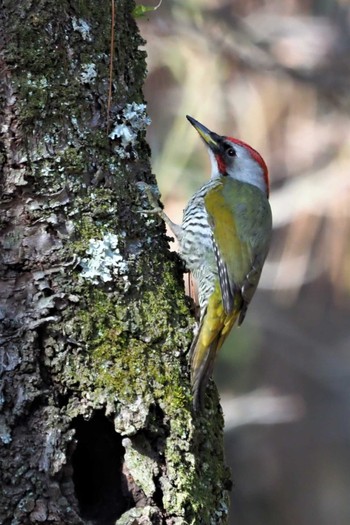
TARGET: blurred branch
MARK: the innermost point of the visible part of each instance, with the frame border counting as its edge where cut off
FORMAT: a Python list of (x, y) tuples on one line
[(261, 407)]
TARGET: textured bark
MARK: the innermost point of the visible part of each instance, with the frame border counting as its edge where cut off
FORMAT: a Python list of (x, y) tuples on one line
[(96, 424)]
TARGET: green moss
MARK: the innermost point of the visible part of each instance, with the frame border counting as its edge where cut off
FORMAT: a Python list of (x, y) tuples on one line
[(135, 344), (85, 230), (74, 161)]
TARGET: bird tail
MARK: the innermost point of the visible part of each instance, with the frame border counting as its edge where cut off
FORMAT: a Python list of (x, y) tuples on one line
[(208, 341), (202, 364)]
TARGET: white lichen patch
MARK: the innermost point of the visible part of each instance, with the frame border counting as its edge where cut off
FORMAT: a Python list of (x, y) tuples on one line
[(82, 27), (141, 466), (144, 515), (132, 120), (133, 417), (82, 131), (88, 74), (104, 262)]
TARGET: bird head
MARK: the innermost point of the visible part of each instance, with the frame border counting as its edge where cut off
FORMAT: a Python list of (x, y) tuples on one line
[(231, 157)]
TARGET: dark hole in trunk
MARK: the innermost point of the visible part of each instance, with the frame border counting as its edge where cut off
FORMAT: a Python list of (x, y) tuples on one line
[(97, 461)]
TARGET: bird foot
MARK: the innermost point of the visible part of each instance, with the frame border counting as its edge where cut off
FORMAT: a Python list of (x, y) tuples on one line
[(152, 195)]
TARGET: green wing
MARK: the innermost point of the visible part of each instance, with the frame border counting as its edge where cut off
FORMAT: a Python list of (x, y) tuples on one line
[(240, 219)]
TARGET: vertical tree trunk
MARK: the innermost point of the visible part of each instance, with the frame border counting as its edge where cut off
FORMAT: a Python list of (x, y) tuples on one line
[(96, 424)]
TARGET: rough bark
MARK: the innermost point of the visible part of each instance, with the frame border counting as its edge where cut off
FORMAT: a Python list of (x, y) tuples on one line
[(96, 424)]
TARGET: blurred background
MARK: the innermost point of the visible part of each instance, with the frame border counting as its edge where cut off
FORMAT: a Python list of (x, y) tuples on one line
[(276, 75)]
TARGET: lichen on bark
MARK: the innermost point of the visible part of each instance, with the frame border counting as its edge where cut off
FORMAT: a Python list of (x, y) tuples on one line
[(96, 417)]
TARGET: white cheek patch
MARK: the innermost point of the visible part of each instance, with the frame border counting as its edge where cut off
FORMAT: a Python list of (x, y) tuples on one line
[(243, 168), (214, 165), (247, 169)]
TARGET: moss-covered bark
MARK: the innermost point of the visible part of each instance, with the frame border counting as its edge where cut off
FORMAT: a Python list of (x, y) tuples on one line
[(96, 424)]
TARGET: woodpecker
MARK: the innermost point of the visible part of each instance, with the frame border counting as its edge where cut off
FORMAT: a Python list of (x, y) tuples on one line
[(224, 240)]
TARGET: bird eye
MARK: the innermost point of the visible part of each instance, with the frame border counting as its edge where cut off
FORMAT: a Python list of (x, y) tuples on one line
[(231, 152)]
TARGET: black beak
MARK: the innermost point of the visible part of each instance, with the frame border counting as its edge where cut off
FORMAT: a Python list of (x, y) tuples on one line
[(210, 138)]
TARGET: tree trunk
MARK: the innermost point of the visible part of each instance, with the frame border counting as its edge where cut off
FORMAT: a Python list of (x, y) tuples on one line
[(96, 422)]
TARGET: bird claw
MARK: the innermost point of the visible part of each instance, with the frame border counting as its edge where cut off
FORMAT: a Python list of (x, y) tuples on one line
[(152, 198), (153, 211)]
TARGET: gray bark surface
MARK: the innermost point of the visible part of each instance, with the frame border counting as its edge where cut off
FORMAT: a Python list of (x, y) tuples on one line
[(96, 421)]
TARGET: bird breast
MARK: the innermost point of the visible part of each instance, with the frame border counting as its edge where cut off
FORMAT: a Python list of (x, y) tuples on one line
[(196, 247)]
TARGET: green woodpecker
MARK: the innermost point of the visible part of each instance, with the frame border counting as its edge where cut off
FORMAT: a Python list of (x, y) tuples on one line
[(224, 239)]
